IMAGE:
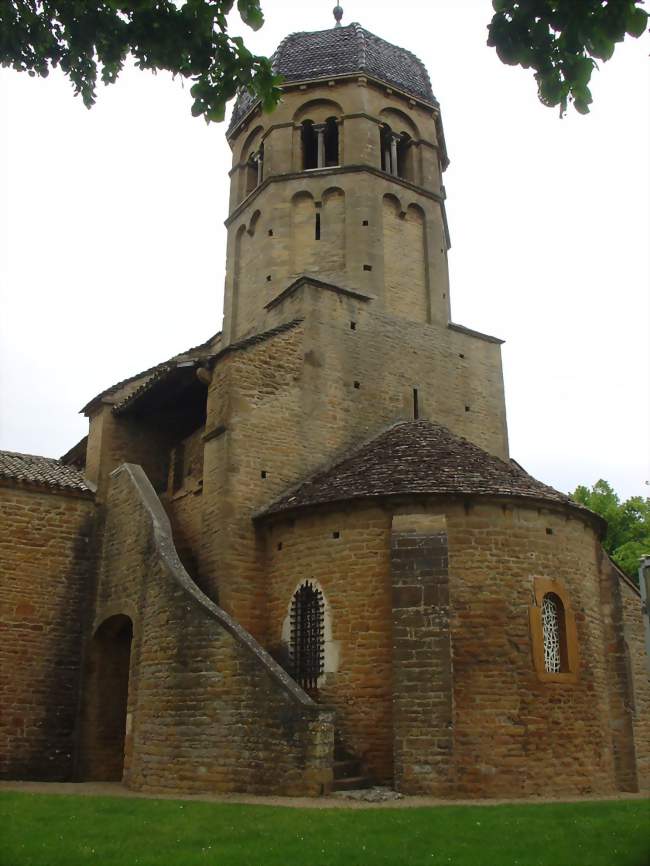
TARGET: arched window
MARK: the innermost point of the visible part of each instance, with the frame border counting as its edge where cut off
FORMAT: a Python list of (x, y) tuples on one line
[(331, 143), (553, 632), (395, 152), (254, 170), (309, 146), (386, 137), (320, 144), (307, 645), (403, 156)]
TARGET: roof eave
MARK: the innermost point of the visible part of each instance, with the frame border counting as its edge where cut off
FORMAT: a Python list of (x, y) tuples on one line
[(270, 512)]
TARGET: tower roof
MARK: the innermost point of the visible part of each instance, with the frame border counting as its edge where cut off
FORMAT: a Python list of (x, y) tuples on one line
[(420, 458), (343, 51)]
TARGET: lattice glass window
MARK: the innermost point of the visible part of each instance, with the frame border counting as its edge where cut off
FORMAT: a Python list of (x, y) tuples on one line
[(551, 625), (307, 649)]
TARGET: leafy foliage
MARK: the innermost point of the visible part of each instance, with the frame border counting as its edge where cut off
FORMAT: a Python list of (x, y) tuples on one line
[(188, 38), (562, 40), (628, 524)]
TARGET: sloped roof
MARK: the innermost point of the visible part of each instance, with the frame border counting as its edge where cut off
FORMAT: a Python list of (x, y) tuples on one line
[(182, 368), (196, 352), (339, 51), (418, 457), (41, 471)]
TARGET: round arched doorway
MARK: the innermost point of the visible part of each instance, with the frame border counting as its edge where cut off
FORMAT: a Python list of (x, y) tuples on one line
[(106, 690)]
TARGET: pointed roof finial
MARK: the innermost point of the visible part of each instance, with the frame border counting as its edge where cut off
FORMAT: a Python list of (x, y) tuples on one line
[(338, 14)]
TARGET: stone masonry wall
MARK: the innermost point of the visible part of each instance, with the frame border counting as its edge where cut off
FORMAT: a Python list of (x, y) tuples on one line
[(620, 675), (347, 554), (44, 550), (515, 735), (303, 398), (453, 684), (208, 710), (639, 670), (422, 678), (265, 231)]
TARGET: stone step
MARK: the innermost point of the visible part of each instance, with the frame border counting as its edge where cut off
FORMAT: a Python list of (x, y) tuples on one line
[(351, 783), (342, 754), (346, 768)]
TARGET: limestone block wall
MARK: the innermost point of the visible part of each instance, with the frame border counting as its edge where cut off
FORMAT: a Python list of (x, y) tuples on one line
[(363, 232), (346, 555), (422, 675), (361, 107), (334, 222), (284, 407), (184, 502), (512, 732), (638, 665), (457, 373), (208, 709), (433, 675), (44, 558), (112, 440)]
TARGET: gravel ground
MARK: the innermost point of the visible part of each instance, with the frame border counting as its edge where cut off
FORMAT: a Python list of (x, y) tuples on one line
[(337, 801)]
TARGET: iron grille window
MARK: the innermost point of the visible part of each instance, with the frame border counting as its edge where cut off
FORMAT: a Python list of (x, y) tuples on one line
[(307, 648)]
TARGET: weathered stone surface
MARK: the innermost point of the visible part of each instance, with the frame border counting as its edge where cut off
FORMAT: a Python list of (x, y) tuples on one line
[(208, 709), (45, 539)]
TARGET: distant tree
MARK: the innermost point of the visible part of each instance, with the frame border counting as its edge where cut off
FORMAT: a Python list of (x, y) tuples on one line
[(188, 38), (628, 524), (562, 40)]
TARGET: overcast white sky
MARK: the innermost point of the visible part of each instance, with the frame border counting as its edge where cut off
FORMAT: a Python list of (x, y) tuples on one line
[(112, 246)]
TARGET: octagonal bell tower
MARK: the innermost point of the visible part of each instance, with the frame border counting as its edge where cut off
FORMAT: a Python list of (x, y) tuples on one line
[(341, 183)]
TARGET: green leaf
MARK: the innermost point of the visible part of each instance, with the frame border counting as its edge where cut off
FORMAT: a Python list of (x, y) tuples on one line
[(636, 22)]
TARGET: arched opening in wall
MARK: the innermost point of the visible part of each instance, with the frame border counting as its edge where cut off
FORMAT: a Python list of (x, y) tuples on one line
[(331, 142), (554, 634), (309, 145), (395, 152), (385, 139), (307, 644), (404, 156), (320, 144), (105, 696), (553, 631), (254, 170)]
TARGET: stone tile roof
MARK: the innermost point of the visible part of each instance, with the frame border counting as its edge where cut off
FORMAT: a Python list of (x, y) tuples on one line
[(418, 457), (341, 51), (41, 471), (187, 361), (202, 350)]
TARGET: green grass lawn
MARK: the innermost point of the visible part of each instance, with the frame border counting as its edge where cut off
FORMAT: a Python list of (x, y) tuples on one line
[(60, 830)]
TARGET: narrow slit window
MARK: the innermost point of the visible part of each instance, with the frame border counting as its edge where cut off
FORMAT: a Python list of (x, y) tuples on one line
[(317, 227), (416, 407)]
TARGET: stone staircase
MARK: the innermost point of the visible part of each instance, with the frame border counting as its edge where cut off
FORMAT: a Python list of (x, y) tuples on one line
[(348, 771)]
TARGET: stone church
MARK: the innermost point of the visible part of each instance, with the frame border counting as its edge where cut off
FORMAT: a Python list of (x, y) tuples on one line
[(298, 557)]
